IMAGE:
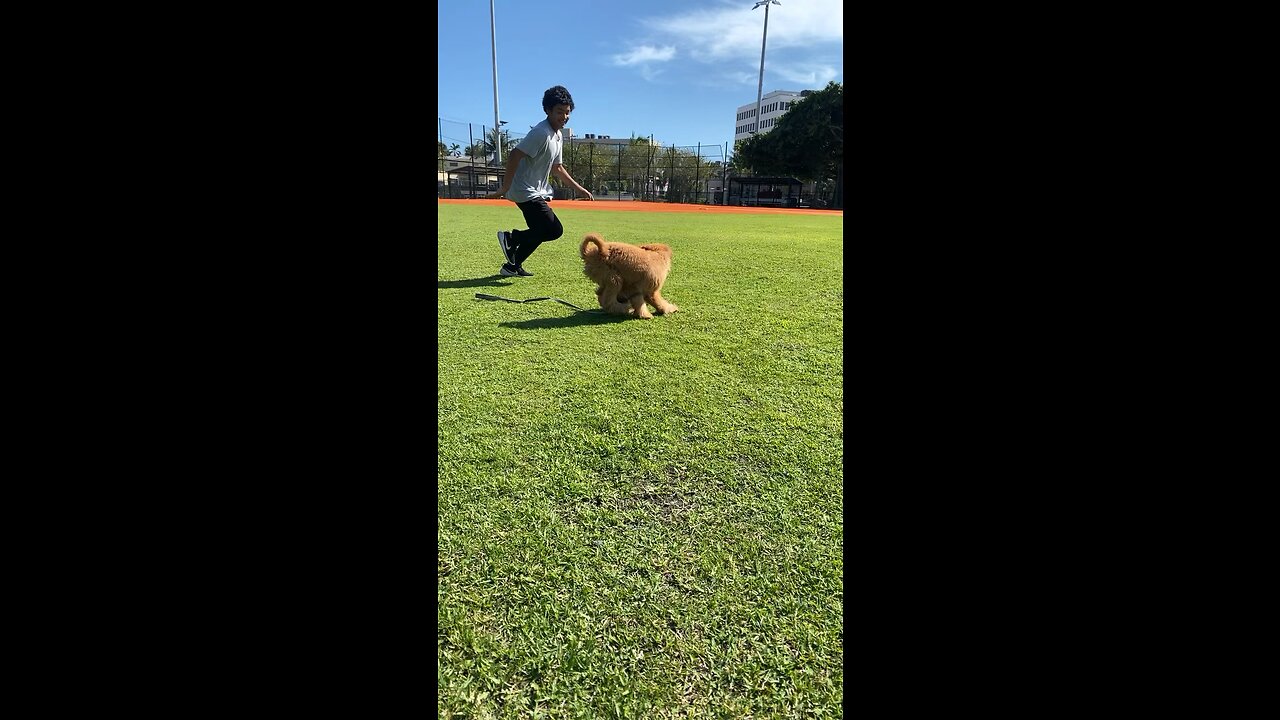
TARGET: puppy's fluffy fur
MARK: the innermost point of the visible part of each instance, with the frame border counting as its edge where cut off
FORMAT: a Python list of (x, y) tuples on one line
[(627, 276)]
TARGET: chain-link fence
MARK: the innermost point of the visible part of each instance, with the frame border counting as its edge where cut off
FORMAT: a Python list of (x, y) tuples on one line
[(611, 168), (639, 169)]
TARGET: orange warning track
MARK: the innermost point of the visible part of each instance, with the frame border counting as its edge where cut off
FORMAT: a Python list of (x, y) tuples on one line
[(637, 205)]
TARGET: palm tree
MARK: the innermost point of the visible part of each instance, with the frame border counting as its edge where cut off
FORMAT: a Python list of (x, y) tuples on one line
[(504, 137)]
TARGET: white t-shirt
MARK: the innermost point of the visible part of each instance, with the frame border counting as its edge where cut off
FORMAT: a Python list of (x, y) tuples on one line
[(543, 147)]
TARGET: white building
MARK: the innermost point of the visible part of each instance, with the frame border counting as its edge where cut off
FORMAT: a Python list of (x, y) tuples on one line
[(772, 106)]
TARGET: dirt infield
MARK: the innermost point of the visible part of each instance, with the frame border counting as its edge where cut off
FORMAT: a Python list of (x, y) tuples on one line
[(636, 205)]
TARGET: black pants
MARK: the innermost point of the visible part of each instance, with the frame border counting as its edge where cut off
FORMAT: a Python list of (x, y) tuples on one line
[(543, 226)]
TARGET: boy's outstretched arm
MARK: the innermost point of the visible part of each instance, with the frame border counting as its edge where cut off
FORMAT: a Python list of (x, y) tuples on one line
[(564, 175)]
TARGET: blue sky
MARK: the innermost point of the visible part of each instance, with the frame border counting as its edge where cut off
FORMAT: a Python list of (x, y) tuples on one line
[(677, 70)]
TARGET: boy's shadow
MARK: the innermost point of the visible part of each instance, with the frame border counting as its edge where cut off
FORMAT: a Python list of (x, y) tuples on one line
[(490, 281)]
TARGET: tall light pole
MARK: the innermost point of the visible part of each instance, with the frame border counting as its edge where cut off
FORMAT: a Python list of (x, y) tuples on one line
[(760, 87), (493, 43)]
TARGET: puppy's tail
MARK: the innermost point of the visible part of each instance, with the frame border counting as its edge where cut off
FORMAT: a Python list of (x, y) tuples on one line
[(600, 246)]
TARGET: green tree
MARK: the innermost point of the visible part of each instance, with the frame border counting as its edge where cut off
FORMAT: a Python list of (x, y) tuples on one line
[(683, 174), (737, 164), (503, 137), (628, 165), (807, 142), (594, 165), (647, 175)]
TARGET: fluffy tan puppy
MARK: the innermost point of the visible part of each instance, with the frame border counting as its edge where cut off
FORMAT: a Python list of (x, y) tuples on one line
[(627, 276)]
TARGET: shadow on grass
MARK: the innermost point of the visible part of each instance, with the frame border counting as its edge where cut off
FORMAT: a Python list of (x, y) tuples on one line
[(574, 320), (490, 281)]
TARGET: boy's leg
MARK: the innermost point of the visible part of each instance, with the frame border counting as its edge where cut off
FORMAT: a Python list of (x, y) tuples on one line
[(543, 226)]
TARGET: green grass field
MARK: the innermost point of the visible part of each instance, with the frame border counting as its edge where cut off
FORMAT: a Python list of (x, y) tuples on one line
[(641, 518)]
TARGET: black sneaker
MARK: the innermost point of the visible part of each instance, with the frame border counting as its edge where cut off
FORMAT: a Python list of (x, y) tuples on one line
[(504, 242), (508, 270)]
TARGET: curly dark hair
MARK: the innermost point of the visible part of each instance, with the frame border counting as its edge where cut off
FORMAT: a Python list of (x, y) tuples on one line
[(557, 95)]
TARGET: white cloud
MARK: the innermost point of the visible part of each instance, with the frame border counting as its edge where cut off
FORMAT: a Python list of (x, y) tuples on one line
[(645, 54), (732, 31), (649, 73), (725, 35), (811, 77)]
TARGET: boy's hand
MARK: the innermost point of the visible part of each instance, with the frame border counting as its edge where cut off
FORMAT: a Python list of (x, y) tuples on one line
[(496, 195), (588, 194)]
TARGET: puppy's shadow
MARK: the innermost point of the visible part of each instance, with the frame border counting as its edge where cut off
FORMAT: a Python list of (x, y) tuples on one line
[(490, 281), (574, 320)]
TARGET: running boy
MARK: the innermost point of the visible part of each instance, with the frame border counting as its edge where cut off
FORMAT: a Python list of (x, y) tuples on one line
[(527, 183)]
